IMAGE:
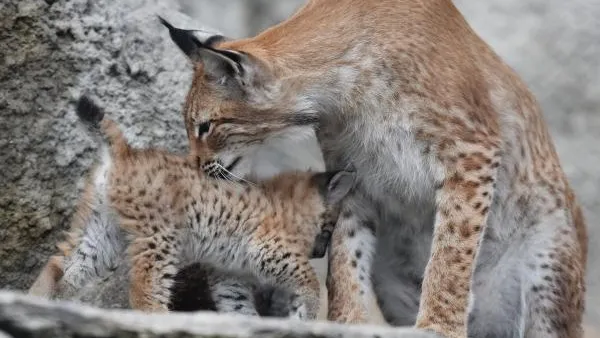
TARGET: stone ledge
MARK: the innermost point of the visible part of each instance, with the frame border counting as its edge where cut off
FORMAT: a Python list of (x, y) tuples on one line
[(25, 316)]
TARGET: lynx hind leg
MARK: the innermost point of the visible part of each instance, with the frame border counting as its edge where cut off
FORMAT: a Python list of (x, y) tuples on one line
[(153, 268), (535, 289), (46, 283), (554, 287)]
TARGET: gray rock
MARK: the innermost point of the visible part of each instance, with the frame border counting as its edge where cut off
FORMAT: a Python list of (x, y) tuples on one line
[(22, 316), (53, 51)]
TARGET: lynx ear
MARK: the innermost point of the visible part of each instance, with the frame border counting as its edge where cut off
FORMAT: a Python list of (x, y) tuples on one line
[(335, 185), (218, 64)]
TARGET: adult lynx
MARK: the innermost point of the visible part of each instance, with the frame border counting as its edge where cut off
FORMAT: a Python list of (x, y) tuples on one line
[(456, 168)]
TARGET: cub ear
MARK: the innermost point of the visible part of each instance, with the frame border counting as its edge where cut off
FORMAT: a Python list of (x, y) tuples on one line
[(334, 185), (218, 64)]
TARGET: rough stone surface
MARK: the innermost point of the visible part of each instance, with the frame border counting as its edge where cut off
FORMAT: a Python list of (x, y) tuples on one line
[(53, 51), (22, 316)]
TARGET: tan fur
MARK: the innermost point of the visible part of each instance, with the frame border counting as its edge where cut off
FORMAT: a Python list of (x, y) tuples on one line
[(168, 206), (409, 67)]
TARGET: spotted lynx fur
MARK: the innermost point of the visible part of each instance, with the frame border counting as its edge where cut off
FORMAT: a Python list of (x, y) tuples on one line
[(165, 213), (462, 220)]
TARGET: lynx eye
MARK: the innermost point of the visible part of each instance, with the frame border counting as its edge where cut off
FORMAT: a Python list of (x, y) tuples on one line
[(203, 128)]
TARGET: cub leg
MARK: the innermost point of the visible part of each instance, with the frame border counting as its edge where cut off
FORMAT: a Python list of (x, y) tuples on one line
[(96, 254), (154, 262), (294, 271), (305, 300), (351, 295), (45, 284)]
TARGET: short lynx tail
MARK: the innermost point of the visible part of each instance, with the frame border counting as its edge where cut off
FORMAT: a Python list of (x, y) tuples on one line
[(93, 117)]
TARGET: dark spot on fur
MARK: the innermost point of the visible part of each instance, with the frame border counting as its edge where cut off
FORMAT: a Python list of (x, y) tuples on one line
[(351, 233), (152, 246), (354, 264), (464, 230), (358, 254), (486, 179), (451, 227), (369, 224)]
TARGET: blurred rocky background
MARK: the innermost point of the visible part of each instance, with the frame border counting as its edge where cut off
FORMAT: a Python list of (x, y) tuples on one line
[(53, 50)]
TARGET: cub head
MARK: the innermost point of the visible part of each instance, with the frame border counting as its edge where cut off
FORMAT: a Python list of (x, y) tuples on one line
[(237, 100)]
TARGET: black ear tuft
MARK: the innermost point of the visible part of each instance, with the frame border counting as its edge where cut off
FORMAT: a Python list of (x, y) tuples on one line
[(184, 39), (217, 63), (88, 111)]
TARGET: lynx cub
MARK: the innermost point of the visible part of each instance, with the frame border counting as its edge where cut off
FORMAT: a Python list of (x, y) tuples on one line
[(170, 214)]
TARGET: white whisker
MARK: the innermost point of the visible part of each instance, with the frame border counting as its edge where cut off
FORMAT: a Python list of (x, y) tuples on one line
[(232, 175)]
